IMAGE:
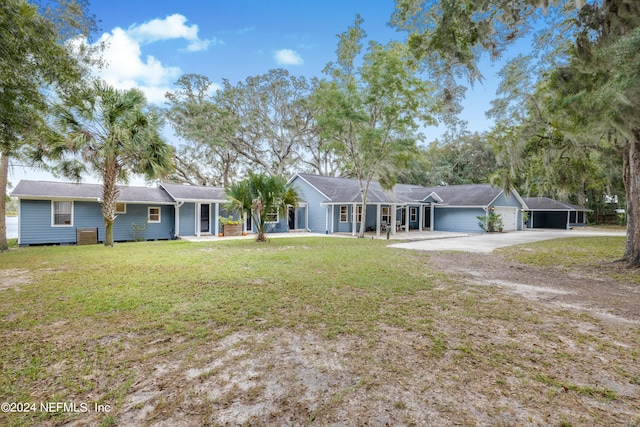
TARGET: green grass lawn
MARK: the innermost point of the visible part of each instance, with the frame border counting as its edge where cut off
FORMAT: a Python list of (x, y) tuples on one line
[(77, 322)]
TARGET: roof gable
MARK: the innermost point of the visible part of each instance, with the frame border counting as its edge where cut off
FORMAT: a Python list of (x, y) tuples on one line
[(180, 192)]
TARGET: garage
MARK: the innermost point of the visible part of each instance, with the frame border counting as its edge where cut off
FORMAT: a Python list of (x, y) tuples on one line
[(549, 213), (509, 217)]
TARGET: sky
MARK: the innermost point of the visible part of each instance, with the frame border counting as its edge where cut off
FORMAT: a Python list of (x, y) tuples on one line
[(151, 43)]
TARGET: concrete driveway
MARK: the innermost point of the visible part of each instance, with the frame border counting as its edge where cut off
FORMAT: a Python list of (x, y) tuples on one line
[(490, 241)]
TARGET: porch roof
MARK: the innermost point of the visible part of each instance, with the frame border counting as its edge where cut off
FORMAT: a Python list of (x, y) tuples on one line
[(548, 204)]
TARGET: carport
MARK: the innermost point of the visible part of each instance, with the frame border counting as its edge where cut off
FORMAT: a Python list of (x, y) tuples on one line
[(545, 212)]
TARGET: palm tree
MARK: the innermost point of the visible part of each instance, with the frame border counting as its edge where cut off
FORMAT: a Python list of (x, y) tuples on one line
[(261, 196), (115, 135)]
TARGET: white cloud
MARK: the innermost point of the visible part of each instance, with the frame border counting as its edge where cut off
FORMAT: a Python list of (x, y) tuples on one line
[(288, 57), (172, 27), (127, 66)]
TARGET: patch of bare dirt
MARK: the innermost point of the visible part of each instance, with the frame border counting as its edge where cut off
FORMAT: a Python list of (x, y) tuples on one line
[(587, 289), (12, 278)]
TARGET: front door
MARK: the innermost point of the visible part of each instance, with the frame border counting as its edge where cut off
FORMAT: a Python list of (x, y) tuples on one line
[(427, 217), (204, 218), (292, 218)]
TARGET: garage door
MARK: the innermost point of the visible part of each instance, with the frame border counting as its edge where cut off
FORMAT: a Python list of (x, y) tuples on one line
[(509, 217)]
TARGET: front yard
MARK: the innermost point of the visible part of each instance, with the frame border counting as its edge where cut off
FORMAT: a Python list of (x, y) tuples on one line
[(317, 331)]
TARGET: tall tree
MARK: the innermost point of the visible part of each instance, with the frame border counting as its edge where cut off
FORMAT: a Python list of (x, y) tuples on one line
[(264, 120), (36, 60), (207, 158), (593, 85), (114, 135), (372, 113), (466, 158), (263, 197)]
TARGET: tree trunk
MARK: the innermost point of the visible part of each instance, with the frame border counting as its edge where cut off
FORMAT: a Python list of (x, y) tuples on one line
[(4, 174), (631, 177), (110, 194)]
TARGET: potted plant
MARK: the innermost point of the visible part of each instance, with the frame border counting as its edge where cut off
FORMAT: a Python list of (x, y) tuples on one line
[(231, 226)]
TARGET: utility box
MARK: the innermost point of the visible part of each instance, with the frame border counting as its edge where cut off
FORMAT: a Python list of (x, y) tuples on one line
[(86, 236)]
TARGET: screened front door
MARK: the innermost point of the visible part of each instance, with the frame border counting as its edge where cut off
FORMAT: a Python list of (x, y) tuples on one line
[(204, 218)]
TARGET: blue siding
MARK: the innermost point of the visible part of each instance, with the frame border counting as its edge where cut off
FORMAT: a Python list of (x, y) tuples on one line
[(187, 219), (35, 222), (136, 214), (458, 219), (317, 214)]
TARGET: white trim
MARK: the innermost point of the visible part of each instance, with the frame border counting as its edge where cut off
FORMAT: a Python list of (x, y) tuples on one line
[(216, 220), (159, 220), (53, 213), (176, 232), (435, 197), (413, 213), (19, 221)]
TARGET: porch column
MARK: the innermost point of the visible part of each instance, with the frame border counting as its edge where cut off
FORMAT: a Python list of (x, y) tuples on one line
[(531, 219), (333, 215), (432, 214), (378, 210), (568, 219), (393, 219), (198, 219), (244, 222), (420, 211), (353, 220), (177, 221), (326, 220), (407, 216), (216, 219)]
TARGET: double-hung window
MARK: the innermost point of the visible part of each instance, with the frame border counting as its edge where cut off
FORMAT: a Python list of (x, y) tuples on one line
[(413, 215), (386, 215), (344, 213), (62, 214), (272, 215), (359, 213), (154, 215)]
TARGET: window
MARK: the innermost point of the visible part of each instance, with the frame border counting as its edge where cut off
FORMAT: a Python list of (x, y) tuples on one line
[(386, 217), (413, 215), (272, 215), (154, 215), (358, 213), (344, 214), (62, 214), (121, 208)]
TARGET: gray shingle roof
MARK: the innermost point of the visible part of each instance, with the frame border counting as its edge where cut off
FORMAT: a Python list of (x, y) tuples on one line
[(465, 195), (73, 191), (194, 192), (345, 190), (547, 204)]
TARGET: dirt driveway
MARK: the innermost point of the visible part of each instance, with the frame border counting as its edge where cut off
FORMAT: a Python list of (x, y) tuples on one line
[(485, 243)]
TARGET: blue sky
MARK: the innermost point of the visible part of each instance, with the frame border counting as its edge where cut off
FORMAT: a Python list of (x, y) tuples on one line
[(151, 43)]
